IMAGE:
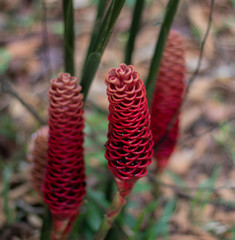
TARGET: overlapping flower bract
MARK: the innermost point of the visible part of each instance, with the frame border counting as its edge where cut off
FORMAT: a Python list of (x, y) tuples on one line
[(129, 145), (64, 183), (167, 99), (38, 157)]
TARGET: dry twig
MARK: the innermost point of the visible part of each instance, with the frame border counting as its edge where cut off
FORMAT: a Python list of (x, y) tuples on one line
[(6, 87), (210, 129)]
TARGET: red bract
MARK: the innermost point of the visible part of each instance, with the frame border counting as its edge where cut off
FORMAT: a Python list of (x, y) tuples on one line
[(38, 157), (129, 146), (167, 99), (64, 183)]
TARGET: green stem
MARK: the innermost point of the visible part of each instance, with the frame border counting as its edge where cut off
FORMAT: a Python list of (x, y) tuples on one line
[(136, 19), (113, 211), (156, 187), (109, 190), (163, 35), (69, 37)]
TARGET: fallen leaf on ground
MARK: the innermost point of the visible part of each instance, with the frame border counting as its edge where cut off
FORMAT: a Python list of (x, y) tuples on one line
[(25, 48)]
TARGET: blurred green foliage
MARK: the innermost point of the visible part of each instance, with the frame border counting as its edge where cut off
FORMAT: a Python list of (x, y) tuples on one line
[(5, 59)]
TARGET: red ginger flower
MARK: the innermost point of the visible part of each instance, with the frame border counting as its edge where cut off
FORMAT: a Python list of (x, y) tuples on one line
[(38, 157), (167, 99), (129, 146), (64, 182)]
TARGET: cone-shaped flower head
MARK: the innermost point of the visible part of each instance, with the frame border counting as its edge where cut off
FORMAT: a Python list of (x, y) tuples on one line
[(64, 182), (129, 146), (38, 157), (169, 91)]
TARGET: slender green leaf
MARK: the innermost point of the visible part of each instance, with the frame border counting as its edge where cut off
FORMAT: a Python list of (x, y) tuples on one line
[(177, 179), (98, 198), (94, 215), (136, 18), (233, 2), (163, 35), (204, 195), (74, 235), (97, 25), (69, 46), (233, 228), (99, 44), (7, 171), (151, 207), (89, 72), (142, 186), (47, 225), (162, 225), (108, 24)]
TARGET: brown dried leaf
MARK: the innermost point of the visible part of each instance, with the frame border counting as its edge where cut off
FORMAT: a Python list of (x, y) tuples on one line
[(189, 116), (199, 90), (181, 161), (217, 112), (19, 191)]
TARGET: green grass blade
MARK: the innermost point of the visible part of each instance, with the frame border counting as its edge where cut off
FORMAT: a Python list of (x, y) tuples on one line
[(177, 179), (163, 35), (161, 227), (89, 73), (204, 195), (69, 45), (151, 207), (136, 19)]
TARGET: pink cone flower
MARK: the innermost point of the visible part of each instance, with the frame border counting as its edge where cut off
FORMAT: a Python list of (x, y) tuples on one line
[(64, 182), (167, 99), (129, 146)]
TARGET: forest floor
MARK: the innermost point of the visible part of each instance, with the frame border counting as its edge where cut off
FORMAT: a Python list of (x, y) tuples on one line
[(200, 178)]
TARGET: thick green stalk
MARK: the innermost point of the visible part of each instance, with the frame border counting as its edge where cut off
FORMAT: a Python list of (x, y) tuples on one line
[(89, 72), (99, 43), (69, 37), (102, 6), (107, 25), (135, 24), (163, 35), (113, 211)]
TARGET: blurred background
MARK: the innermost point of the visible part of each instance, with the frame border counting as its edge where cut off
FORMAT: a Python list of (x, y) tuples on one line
[(198, 187)]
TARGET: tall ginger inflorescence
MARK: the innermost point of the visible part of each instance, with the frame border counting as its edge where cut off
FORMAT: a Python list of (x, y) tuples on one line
[(129, 146), (64, 182), (167, 99)]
